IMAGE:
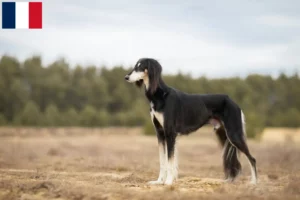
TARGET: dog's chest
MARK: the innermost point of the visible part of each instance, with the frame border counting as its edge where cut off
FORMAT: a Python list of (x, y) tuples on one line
[(158, 115)]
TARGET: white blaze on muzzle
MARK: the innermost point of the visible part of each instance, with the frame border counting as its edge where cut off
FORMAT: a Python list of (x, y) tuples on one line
[(136, 76)]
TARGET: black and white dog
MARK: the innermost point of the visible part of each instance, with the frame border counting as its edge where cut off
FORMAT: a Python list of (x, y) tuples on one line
[(176, 113)]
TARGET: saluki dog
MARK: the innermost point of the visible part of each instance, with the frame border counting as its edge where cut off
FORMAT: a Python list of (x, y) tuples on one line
[(177, 113)]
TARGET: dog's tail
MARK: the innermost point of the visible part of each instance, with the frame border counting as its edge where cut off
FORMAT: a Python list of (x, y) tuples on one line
[(231, 164)]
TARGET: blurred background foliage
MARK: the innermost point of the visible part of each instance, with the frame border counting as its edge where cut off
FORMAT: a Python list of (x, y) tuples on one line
[(59, 95)]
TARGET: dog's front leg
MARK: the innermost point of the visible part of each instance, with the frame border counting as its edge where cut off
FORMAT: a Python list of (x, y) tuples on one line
[(172, 165), (162, 147), (162, 163)]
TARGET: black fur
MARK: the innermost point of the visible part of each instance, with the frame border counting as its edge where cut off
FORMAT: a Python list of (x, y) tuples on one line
[(184, 113), (232, 166), (221, 135)]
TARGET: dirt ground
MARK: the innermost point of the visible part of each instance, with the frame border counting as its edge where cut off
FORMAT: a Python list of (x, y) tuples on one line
[(116, 163)]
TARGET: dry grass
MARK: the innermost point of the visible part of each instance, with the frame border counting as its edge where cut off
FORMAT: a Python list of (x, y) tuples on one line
[(281, 135), (117, 163)]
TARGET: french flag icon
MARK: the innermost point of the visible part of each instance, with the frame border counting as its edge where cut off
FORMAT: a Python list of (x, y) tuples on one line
[(22, 15)]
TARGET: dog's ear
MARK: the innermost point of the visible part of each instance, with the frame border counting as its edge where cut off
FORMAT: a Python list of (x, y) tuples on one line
[(154, 73)]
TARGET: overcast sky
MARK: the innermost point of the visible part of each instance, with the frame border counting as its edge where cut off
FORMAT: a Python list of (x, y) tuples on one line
[(213, 37)]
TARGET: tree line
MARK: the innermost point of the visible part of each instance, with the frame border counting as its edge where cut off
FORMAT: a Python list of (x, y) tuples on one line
[(62, 95)]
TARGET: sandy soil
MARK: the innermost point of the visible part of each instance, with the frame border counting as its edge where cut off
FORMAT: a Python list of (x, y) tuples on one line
[(117, 164)]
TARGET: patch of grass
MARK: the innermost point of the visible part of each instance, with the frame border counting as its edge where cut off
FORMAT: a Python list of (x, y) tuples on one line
[(97, 165)]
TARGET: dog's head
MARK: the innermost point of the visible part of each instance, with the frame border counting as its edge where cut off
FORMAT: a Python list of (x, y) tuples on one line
[(146, 71)]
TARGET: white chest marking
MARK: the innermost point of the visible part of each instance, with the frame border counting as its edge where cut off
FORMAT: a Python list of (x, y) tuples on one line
[(159, 116)]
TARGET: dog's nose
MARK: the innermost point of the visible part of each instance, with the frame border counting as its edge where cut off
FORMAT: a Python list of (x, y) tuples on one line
[(126, 77)]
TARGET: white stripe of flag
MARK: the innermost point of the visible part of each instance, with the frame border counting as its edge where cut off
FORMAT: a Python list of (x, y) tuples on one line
[(22, 15)]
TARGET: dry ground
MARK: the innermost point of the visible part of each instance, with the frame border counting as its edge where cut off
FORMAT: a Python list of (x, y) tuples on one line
[(117, 163)]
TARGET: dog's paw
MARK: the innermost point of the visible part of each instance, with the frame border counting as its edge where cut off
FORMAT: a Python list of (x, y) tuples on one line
[(156, 182), (253, 182), (228, 180), (169, 181)]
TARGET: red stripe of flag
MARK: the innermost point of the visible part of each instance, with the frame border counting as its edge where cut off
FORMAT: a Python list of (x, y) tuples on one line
[(35, 15)]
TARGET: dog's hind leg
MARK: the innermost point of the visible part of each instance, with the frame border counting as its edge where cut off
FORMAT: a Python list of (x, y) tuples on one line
[(237, 138), (239, 142), (246, 151), (232, 166)]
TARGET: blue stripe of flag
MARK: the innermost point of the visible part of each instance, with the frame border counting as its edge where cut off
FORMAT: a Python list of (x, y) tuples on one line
[(8, 15)]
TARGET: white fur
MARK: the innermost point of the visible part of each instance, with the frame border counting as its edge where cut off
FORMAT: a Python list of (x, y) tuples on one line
[(225, 145), (168, 168), (136, 76), (138, 64), (159, 116), (230, 153), (151, 105), (172, 168), (253, 177), (163, 161), (163, 158), (170, 171), (175, 167), (163, 168), (243, 123)]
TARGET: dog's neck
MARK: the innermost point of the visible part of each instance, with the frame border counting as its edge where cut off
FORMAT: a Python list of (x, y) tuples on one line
[(161, 91)]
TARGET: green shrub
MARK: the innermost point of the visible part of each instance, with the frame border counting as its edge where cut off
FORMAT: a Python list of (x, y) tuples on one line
[(103, 118), (254, 124), (29, 116), (3, 120), (52, 117), (71, 117), (89, 116)]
